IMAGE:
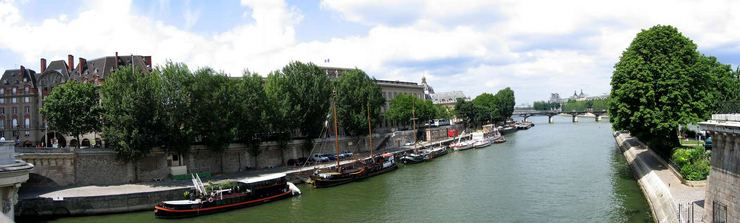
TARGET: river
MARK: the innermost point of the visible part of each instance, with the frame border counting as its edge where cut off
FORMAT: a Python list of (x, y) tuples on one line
[(560, 172)]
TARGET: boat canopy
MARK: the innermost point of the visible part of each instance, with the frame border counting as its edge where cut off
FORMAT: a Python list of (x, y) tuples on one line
[(266, 177), (183, 202)]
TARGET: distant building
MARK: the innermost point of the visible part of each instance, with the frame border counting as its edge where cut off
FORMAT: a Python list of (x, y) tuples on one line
[(389, 90), (555, 98), (448, 98)]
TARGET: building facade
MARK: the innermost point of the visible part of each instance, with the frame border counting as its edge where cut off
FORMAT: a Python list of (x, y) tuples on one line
[(389, 90), (24, 92)]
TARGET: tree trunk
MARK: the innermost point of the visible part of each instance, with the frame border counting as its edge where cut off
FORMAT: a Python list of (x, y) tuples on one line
[(78, 141)]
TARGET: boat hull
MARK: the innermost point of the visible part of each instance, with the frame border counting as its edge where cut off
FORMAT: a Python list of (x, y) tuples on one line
[(324, 183), (163, 212)]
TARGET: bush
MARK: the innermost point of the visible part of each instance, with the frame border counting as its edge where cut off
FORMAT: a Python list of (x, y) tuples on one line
[(693, 162)]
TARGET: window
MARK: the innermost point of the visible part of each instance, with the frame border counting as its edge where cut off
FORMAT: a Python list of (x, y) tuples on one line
[(14, 90), (27, 123), (2, 110), (15, 123), (15, 110), (26, 99), (719, 212), (2, 100), (28, 133), (28, 110), (2, 90), (27, 90), (2, 124), (14, 100)]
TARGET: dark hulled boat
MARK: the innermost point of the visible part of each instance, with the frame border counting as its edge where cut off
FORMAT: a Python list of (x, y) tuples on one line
[(371, 166), (243, 193)]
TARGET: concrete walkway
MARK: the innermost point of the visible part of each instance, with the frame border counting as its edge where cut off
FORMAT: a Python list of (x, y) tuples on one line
[(679, 193)]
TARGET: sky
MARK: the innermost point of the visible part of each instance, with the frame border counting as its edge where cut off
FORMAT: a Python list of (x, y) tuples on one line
[(534, 47)]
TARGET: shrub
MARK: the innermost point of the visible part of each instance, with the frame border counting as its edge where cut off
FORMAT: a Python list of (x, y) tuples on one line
[(693, 162)]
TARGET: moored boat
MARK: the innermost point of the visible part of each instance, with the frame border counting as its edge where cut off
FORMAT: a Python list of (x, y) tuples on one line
[(238, 194), (412, 158)]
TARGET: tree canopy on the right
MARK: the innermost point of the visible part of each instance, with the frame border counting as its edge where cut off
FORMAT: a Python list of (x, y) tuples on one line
[(661, 82)]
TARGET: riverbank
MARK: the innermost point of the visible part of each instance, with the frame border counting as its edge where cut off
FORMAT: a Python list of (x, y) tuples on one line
[(667, 196)]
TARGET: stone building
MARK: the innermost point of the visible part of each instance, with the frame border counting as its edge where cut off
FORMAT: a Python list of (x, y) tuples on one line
[(18, 107), (722, 200), (449, 98), (389, 89), (20, 102)]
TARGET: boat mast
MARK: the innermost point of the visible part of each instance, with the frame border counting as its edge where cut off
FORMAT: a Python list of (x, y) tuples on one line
[(370, 131), (336, 129), (413, 118)]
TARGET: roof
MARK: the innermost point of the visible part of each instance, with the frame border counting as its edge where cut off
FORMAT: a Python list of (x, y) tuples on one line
[(16, 77), (447, 97)]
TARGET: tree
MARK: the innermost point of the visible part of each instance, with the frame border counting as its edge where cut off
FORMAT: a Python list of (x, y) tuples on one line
[(465, 110), (72, 108), (404, 107), (130, 102), (443, 112), (251, 112), (355, 94), (659, 83), (213, 100), (487, 108), (213, 111), (505, 105), (176, 108)]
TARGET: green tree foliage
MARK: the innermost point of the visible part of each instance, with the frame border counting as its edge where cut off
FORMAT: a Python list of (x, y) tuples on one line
[(659, 83), (506, 102), (444, 112), (545, 106), (693, 163), (487, 108), (356, 93), (213, 101), (251, 111), (580, 106), (131, 104), (466, 111), (403, 105), (72, 108), (176, 109)]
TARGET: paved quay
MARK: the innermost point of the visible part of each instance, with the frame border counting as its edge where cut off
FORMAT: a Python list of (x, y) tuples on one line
[(146, 187), (647, 164)]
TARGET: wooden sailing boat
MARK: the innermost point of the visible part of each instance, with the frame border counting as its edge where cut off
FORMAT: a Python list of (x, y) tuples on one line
[(414, 157), (357, 170)]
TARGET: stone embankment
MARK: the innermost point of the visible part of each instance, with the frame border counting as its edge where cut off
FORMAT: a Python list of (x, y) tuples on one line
[(661, 186)]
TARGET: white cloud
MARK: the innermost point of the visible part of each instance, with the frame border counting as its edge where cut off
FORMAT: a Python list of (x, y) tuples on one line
[(474, 46)]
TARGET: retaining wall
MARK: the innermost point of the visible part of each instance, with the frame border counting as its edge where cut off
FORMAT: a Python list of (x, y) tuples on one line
[(655, 190)]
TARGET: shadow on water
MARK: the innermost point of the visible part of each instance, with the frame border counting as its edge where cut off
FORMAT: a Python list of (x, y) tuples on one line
[(633, 205)]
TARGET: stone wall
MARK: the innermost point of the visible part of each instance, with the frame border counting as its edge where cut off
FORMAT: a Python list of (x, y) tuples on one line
[(723, 184), (655, 190), (102, 167)]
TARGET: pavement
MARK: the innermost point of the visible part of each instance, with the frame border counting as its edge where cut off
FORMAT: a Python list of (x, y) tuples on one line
[(681, 194)]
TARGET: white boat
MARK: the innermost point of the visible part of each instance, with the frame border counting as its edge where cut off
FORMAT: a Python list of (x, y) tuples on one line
[(461, 145)]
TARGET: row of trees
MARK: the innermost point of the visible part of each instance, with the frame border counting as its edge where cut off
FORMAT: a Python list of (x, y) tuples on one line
[(595, 104), (404, 107), (545, 106), (173, 107), (661, 82), (486, 108)]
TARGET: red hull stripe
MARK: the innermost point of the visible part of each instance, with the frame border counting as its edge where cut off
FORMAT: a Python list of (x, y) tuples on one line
[(218, 207)]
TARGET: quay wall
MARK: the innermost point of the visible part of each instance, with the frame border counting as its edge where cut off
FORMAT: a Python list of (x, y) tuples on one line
[(102, 167), (655, 190)]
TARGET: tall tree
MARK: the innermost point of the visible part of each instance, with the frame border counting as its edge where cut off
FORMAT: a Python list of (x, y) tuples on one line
[(465, 110), (488, 110), (131, 121), (356, 93), (659, 83), (506, 102), (212, 101), (250, 112), (176, 109), (72, 108)]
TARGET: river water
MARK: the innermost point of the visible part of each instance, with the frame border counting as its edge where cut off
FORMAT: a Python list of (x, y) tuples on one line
[(560, 172)]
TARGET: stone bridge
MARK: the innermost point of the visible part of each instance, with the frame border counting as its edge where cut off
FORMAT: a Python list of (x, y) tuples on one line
[(526, 113), (55, 167)]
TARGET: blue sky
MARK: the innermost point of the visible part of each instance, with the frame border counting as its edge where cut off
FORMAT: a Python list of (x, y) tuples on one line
[(535, 47)]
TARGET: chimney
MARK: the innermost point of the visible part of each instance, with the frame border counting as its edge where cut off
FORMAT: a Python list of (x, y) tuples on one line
[(148, 61), (82, 64), (70, 62), (43, 65), (115, 65)]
